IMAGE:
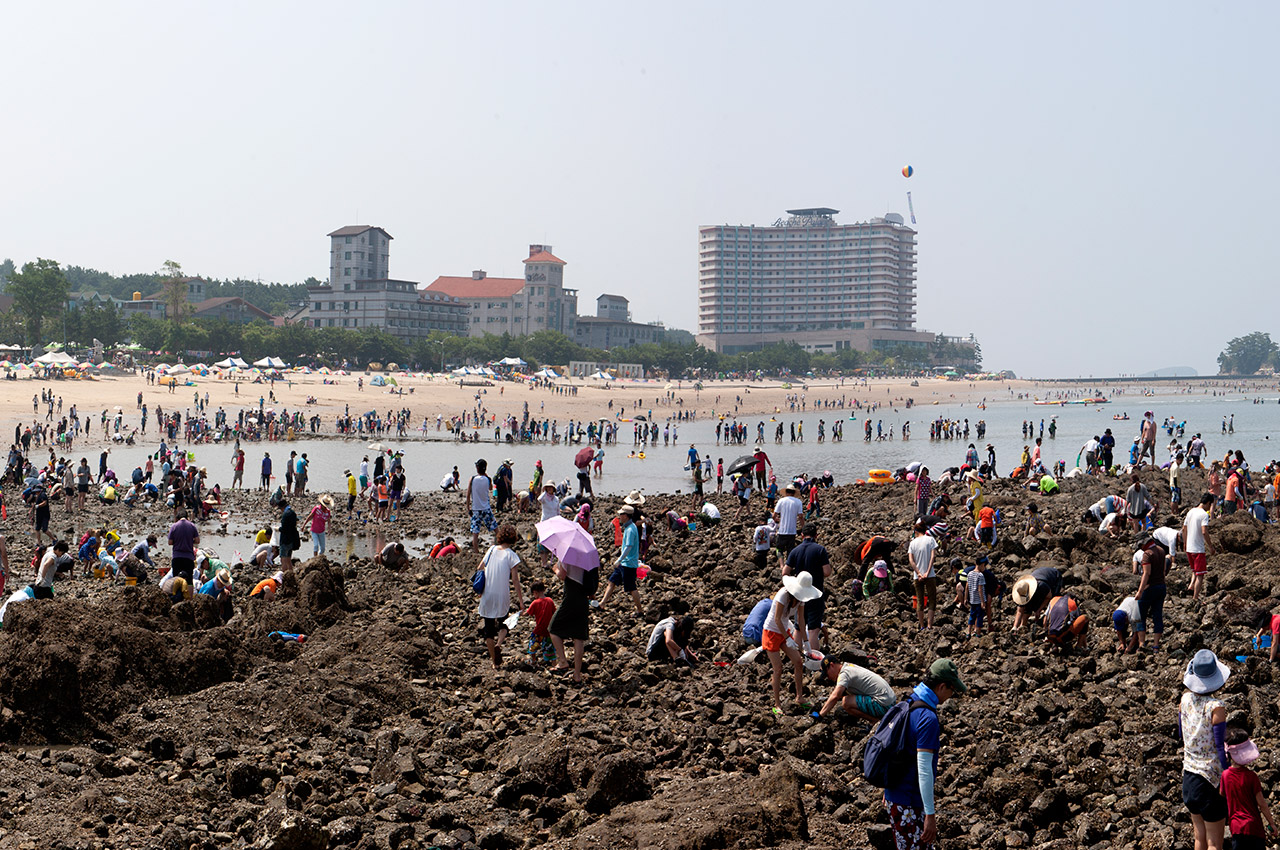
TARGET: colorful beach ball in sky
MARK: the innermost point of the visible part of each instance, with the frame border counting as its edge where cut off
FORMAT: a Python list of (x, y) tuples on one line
[(907, 171)]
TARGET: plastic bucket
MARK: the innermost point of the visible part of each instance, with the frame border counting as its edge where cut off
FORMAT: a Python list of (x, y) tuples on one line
[(99, 572), (813, 660), (131, 581)]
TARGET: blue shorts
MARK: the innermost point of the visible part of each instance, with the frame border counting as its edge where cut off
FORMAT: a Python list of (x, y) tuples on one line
[(867, 705), (625, 576), (976, 613), (483, 518)]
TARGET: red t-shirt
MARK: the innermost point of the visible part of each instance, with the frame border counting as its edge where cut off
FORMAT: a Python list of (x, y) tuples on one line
[(1240, 786), (986, 518), (542, 610)]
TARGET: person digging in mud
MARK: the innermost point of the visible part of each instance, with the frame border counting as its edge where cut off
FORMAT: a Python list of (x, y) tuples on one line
[(501, 565), (219, 587), (268, 587), (393, 556), (1065, 624), (670, 641), (788, 604), (877, 580), (859, 691), (53, 557), (628, 564), (1032, 593), (542, 609), (910, 800), (1129, 615)]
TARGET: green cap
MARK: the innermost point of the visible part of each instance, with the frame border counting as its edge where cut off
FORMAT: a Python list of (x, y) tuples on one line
[(944, 670)]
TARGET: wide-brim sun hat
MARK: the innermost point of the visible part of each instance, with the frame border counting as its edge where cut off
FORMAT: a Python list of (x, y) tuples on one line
[(224, 578), (801, 587), (880, 570), (1023, 589), (1205, 673), (635, 497), (327, 501)]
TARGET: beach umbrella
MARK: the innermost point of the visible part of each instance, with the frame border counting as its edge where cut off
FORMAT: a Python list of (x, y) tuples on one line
[(669, 387), (583, 457), (641, 417), (376, 447), (569, 542), (743, 464)]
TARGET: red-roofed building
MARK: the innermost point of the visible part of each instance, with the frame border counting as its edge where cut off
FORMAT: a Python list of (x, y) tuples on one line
[(519, 306)]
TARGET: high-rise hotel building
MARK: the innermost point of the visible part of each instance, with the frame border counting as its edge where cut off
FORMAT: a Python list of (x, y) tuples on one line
[(824, 285)]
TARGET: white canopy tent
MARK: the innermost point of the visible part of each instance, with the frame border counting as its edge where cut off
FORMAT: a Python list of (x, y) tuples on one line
[(229, 362), (601, 376), (512, 361), (271, 363), (546, 373), (56, 358)]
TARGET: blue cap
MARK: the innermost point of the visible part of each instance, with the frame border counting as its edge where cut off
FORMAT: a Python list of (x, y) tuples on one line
[(1120, 620)]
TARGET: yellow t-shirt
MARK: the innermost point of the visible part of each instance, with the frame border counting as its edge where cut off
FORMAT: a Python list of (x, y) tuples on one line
[(351, 485), (263, 536)]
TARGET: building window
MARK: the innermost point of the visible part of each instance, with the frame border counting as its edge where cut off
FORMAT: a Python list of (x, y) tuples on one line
[(346, 255), (348, 240), (346, 272)]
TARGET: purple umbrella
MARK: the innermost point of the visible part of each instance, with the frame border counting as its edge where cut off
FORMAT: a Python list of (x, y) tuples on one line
[(569, 542)]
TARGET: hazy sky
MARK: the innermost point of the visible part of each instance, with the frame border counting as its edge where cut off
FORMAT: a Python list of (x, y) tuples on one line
[(1095, 183)]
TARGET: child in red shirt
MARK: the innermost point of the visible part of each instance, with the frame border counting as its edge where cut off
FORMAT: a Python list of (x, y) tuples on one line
[(542, 609), (1246, 804), (987, 526)]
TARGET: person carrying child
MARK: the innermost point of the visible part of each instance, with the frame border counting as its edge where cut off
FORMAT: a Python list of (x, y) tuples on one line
[(1246, 804)]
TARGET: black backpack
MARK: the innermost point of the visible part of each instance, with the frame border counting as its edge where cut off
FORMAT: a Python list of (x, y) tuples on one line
[(884, 757)]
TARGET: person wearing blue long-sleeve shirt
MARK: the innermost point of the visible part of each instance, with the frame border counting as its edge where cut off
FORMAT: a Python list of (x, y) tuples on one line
[(910, 799)]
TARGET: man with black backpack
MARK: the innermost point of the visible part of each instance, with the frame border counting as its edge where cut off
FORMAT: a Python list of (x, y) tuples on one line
[(902, 756)]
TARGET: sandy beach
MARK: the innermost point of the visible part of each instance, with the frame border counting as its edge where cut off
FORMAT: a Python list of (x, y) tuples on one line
[(431, 395)]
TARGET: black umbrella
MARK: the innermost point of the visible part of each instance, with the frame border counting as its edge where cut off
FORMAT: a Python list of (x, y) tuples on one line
[(641, 418), (743, 464)]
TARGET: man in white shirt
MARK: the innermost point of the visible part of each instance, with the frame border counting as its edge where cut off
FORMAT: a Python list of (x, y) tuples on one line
[(920, 556), (1198, 547), (550, 508), (789, 513)]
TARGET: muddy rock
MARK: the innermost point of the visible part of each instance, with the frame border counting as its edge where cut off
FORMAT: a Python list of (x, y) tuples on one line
[(722, 811), (619, 778)]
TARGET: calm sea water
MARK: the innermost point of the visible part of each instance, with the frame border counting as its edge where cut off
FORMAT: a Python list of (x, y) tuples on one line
[(1257, 428)]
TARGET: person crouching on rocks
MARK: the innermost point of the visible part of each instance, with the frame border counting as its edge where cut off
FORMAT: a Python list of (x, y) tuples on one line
[(878, 580), (670, 641), (787, 605), (1129, 616), (393, 556), (1032, 593), (1065, 623), (858, 691), (219, 587), (268, 587)]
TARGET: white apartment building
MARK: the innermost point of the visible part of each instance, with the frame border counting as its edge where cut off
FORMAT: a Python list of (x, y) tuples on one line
[(807, 279)]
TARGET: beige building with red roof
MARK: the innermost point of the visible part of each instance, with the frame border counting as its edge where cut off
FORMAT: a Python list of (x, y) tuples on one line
[(536, 302)]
